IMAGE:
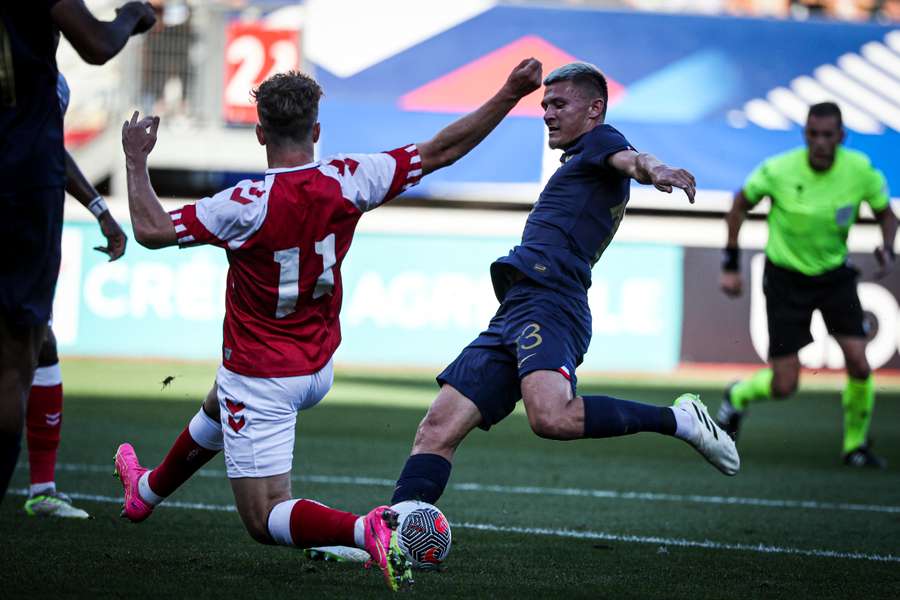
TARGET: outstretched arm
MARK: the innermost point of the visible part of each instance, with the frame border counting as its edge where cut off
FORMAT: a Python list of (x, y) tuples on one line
[(151, 223), (649, 170), (81, 189), (457, 139), (885, 254), (98, 41)]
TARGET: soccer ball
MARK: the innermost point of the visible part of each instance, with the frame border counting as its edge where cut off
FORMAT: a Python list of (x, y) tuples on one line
[(423, 533)]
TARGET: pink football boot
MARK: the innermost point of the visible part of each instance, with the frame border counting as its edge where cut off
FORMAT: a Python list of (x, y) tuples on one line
[(382, 545), (129, 472)]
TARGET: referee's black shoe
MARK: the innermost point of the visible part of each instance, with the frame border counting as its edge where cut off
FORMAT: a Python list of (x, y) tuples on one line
[(862, 457), (728, 417)]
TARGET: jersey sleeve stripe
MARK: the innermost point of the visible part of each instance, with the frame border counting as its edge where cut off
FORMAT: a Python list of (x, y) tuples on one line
[(189, 229), (407, 172)]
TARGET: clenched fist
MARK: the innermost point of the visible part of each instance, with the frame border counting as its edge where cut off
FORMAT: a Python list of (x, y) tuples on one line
[(525, 78)]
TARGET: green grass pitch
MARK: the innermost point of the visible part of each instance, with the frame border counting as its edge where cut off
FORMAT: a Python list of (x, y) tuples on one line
[(634, 517)]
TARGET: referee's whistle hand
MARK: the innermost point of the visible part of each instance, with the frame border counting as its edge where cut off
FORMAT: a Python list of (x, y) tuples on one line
[(731, 283)]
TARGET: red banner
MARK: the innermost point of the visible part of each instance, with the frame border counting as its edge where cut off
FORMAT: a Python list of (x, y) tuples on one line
[(253, 53)]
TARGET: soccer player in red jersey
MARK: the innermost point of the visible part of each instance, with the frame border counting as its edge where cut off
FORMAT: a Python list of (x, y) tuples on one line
[(286, 236)]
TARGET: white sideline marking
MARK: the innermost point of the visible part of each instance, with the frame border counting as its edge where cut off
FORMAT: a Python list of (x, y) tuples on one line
[(640, 539), (566, 533), (548, 491)]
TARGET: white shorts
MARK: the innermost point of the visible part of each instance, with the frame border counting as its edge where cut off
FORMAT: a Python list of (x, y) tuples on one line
[(259, 416)]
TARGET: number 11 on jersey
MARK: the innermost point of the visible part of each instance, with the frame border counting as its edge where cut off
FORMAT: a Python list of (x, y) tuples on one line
[(289, 276)]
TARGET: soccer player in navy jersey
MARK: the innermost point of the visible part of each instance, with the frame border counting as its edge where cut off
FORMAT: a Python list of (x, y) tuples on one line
[(44, 416), (541, 331), (286, 236), (33, 178)]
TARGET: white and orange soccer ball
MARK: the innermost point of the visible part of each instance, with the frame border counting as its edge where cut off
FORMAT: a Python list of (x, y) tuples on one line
[(423, 533)]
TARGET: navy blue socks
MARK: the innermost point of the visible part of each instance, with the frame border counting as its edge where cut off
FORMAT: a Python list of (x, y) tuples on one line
[(424, 477), (605, 416)]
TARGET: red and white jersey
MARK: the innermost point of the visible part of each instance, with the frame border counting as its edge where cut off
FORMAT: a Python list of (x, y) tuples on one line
[(286, 237)]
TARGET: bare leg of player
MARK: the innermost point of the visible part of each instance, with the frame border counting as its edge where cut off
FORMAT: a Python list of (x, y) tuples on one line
[(271, 516), (449, 420), (18, 360), (555, 413)]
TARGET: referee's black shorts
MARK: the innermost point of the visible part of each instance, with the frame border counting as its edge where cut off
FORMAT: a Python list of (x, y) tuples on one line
[(791, 298)]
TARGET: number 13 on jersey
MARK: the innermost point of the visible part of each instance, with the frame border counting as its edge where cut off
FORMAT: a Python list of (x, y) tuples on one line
[(289, 278)]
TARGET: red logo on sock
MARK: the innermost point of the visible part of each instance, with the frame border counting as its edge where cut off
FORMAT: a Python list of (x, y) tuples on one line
[(234, 408)]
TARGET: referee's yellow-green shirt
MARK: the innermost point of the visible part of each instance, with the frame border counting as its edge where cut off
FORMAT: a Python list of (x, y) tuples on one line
[(812, 211)]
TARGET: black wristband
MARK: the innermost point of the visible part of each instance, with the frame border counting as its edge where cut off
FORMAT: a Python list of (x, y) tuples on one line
[(731, 259)]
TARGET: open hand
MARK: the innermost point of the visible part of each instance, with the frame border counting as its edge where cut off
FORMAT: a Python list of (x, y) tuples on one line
[(139, 137), (115, 237), (525, 78), (664, 178)]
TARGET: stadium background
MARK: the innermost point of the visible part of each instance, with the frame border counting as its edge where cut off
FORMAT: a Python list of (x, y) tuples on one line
[(712, 94)]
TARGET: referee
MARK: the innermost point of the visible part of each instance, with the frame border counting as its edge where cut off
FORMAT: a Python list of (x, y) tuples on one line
[(815, 196)]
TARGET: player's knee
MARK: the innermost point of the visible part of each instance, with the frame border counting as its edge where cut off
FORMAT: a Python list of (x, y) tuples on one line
[(258, 528), (48, 355), (434, 433), (542, 426), (547, 425)]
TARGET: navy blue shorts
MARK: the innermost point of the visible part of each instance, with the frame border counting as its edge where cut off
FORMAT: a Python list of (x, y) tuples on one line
[(535, 328), (30, 237)]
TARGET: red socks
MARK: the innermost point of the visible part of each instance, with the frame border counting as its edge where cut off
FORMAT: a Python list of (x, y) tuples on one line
[(314, 524), (44, 421), (307, 523), (197, 444)]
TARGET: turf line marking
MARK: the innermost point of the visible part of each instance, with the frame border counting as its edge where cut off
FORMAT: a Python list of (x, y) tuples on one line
[(640, 539), (548, 491), (566, 533)]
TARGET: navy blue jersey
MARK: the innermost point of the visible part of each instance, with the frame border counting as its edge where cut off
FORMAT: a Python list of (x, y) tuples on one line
[(573, 221), (31, 125)]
